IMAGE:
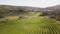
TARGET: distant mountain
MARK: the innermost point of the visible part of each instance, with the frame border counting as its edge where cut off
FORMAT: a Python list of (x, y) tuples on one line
[(8, 7), (20, 7), (54, 7)]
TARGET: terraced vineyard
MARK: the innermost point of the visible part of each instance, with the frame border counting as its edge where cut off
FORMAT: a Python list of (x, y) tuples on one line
[(32, 25)]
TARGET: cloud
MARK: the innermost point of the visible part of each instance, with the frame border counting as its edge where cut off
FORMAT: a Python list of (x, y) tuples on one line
[(34, 3)]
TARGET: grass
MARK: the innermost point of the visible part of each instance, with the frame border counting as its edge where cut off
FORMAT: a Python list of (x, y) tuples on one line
[(31, 25)]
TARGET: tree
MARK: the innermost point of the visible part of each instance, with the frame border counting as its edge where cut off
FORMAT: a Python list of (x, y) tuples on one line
[(44, 14)]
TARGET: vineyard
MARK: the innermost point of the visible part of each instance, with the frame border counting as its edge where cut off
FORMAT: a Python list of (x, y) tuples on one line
[(47, 29), (32, 25)]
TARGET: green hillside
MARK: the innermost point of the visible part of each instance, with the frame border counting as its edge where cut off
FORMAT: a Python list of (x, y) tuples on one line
[(31, 25)]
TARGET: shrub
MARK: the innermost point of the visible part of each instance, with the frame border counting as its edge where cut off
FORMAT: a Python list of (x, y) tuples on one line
[(1, 16), (3, 22)]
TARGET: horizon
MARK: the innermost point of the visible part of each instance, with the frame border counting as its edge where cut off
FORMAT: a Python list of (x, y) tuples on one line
[(31, 3), (31, 6)]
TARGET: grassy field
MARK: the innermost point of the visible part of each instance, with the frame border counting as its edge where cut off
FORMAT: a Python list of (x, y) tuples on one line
[(31, 25)]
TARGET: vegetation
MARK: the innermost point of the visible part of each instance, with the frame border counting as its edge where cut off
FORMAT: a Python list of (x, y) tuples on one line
[(31, 25), (21, 21)]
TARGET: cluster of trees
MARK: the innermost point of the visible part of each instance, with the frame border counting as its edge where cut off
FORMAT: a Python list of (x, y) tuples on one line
[(11, 12), (52, 14)]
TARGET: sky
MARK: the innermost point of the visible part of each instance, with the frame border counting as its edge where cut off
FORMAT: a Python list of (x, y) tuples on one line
[(33, 3)]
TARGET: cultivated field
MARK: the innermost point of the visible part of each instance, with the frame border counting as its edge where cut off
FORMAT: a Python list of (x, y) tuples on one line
[(31, 25)]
